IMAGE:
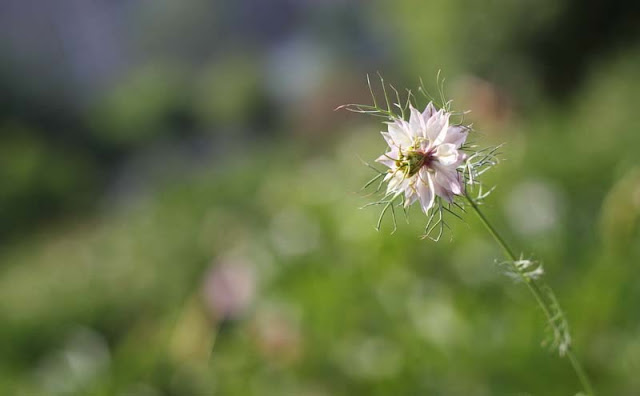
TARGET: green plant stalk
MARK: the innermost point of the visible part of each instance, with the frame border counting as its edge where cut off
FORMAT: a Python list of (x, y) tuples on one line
[(534, 288)]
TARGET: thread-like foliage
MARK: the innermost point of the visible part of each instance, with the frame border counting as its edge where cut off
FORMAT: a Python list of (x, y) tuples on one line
[(532, 272)]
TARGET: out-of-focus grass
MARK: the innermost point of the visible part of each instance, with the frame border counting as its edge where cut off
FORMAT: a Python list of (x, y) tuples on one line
[(114, 304)]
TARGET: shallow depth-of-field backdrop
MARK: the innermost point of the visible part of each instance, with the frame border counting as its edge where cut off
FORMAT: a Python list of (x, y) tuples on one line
[(179, 201)]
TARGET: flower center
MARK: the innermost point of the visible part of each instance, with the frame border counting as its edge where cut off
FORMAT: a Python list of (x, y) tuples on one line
[(411, 161)]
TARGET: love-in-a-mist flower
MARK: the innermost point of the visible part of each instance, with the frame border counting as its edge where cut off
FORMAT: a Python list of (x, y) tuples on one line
[(424, 157), (426, 160)]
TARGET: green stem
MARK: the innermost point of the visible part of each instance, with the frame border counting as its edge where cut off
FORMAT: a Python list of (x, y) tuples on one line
[(534, 288)]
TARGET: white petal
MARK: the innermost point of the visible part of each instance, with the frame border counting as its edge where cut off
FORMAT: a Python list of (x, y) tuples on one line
[(425, 145), (409, 131), (424, 189), (437, 127), (442, 192), (456, 134), (389, 158), (429, 111), (387, 137), (394, 181), (410, 196), (398, 182), (417, 123), (447, 182), (385, 160), (398, 133), (447, 154)]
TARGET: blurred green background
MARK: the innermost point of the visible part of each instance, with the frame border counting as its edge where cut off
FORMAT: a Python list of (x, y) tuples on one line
[(179, 201)]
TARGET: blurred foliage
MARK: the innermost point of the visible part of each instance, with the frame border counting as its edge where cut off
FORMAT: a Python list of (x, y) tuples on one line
[(247, 268), (142, 106)]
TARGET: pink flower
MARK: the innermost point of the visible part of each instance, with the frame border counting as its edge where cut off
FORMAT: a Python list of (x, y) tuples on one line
[(424, 157), (229, 288)]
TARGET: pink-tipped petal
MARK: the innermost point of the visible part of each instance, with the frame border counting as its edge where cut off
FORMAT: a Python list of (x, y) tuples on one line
[(448, 181), (456, 134), (429, 111), (442, 192)]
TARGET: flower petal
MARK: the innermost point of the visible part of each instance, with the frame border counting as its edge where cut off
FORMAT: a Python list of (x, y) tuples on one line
[(437, 127), (443, 192), (447, 154), (447, 182), (429, 111), (389, 158), (399, 133), (424, 189), (417, 123), (387, 137), (456, 134), (410, 196), (395, 179)]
